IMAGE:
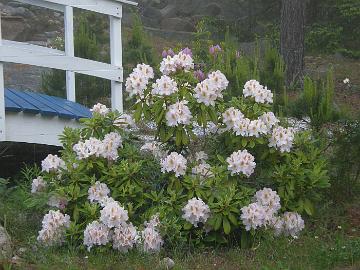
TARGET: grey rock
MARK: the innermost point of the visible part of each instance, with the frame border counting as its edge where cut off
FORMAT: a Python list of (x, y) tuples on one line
[(168, 263), (5, 244), (177, 24)]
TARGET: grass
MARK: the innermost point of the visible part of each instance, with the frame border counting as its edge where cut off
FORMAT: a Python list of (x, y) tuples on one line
[(323, 245)]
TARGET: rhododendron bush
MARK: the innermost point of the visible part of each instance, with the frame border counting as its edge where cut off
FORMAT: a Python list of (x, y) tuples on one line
[(217, 168)]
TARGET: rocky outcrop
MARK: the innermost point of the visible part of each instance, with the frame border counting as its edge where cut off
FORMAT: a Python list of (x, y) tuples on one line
[(5, 244), (182, 15)]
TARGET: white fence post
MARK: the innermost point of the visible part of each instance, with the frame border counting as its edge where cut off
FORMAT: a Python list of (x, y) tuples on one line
[(116, 59), (69, 51), (2, 96)]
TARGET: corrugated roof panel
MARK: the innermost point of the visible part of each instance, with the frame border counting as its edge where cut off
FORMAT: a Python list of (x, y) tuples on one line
[(31, 102)]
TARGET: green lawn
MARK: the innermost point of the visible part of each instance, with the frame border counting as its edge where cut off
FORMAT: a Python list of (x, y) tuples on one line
[(323, 245)]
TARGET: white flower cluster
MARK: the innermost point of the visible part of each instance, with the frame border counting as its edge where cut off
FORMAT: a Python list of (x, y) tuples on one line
[(125, 237), (203, 170), (210, 89), (201, 156), (54, 225), (241, 162), (100, 109), (196, 211), (260, 93), (263, 213), (113, 214), (165, 86), (150, 236), (52, 163), (171, 64), (106, 148), (291, 223), (112, 141), (112, 224), (178, 114), (125, 121), (174, 163), (96, 234), (98, 192), (155, 148), (234, 119), (138, 80), (38, 184), (282, 138)]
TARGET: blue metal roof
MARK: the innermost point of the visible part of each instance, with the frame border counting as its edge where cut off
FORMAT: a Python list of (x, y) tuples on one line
[(30, 102)]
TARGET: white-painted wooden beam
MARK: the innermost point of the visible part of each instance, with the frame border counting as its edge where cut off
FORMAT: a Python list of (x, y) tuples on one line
[(108, 7), (69, 51), (46, 57), (116, 60), (2, 96)]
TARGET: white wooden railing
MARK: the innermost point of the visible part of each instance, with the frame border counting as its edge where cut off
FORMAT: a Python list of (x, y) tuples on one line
[(24, 53)]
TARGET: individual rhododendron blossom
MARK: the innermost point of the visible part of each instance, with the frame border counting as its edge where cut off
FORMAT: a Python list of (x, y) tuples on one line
[(203, 170), (52, 163), (260, 93), (125, 121), (150, 236), (178, 114), (201, 156), (282, 138), (269, 119), (174, 163), (155, 148), (252, 216), (57, 202), (125, 237), (346, 81), (98, 192), (232, 117), (105, 200), (256, 128), (196, 211), (241, 162), (88, 148), (138, 80), (241, 128), (180, 61), (145, 70), (38, 185), (54, 225), (100, 109), (215, 49), (268, 198), (165, 86), (96, 234), (293, 224), (219, 80), (209, 90), (111, 143), (205, 93), (113, 215)]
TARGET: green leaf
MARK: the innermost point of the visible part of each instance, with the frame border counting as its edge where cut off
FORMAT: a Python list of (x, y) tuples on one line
[(218, 221), (309, 207), (187, 226), (226, 225), (233, 219)]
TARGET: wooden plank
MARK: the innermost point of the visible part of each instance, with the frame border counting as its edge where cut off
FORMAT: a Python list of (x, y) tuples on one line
[(36, 128), (2, 96), (46, 58), (107, 7), (69, 51), (116, 60)]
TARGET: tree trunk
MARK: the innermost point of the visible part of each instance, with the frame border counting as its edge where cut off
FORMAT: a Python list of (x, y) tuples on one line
[(292, 39)]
